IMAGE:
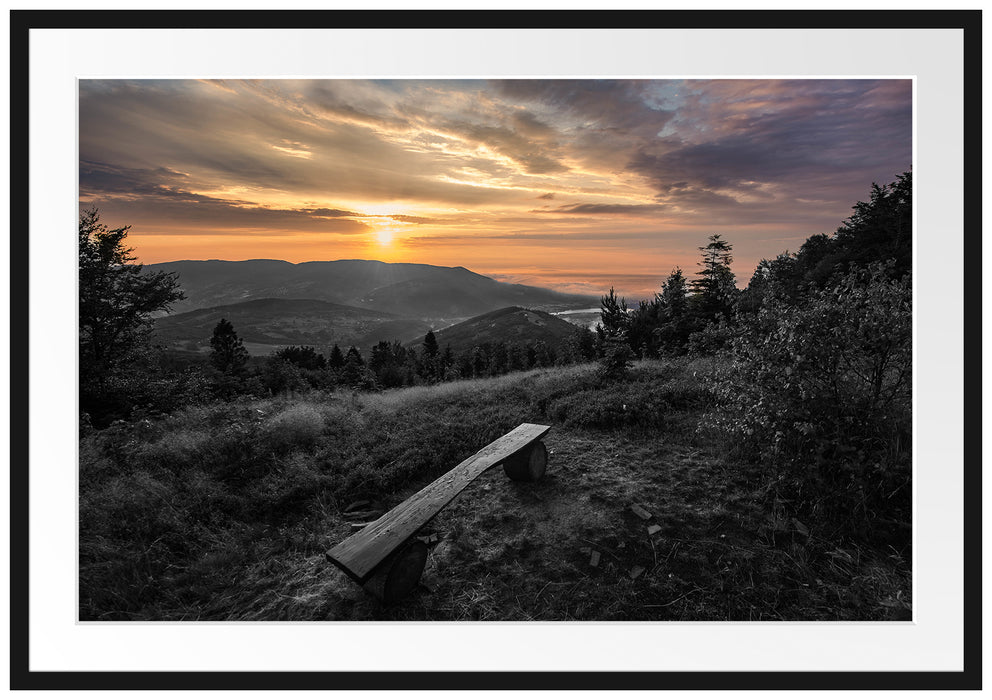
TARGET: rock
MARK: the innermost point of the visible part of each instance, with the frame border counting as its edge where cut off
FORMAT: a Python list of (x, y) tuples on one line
[(594, 559), (640, 512), (635, 572), (443, 554), (652, 529)]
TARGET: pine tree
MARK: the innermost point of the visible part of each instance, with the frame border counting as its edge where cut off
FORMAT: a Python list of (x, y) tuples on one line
[(354, 355), (614, 314), (429, 358), (716, 287), (336, 360), (229, 354), (430, 346), (673, 299), (353, 373)]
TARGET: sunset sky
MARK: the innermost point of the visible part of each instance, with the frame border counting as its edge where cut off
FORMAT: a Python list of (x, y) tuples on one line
[(572, 184)]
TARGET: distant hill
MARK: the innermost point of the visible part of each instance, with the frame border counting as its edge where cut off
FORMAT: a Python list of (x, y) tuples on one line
[(404, 289), (510, 325), (267, 324)]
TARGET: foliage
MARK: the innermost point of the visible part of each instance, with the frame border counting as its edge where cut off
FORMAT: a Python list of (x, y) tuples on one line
[(714, 338), (820, 393), (430, 345), (281, 375), (615, 363), (116, 302), (615, 318), (613, 334), (675, 323), (303, 357), (715, 289), (336, 360), (388, 361), (228, 355), (295, 426), (880, 230), (355, 374)]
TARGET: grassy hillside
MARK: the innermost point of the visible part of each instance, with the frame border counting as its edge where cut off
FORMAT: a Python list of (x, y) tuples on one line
[(224, 512)]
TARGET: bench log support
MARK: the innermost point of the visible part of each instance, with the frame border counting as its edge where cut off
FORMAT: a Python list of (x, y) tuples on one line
[(398, 575), (386, 560), (527, 465)]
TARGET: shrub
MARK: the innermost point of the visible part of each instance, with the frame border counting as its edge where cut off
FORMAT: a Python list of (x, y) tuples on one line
[(820, 393), (615, 362), (714, 337), (281, 375), (298, 425)]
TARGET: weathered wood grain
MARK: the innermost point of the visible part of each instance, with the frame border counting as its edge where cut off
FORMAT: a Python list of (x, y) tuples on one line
[(359, 555)]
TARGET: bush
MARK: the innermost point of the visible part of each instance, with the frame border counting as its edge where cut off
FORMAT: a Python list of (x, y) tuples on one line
[(615, 363), (280, 375), (142, 391), (715, 337), (298, 425), (820, 394)]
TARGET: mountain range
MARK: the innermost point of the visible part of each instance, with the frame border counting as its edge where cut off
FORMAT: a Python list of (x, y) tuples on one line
[(407, 290), (273, 303)]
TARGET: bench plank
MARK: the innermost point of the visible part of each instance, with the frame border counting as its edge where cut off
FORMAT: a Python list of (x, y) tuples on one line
[(358, 555)]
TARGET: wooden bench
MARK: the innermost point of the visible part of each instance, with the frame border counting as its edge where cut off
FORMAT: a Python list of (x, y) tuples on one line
[(384, 556)]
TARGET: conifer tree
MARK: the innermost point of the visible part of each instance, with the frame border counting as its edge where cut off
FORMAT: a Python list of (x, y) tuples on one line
[(229, 354), (716, 287), (336, 360)]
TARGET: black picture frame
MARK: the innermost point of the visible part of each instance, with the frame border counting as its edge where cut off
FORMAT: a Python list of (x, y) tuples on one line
[(22, 678)]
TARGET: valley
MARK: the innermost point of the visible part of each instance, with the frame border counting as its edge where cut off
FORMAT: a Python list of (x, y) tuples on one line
[(274, 304)]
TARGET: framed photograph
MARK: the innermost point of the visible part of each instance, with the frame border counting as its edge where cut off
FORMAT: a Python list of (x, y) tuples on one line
[(499, 356)]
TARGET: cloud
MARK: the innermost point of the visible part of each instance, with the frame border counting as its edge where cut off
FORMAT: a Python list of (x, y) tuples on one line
[(616, 105), (330, 213), (591, 208), (200, 128), (414, 219), (144, 194), (778, 140), (612, 162)]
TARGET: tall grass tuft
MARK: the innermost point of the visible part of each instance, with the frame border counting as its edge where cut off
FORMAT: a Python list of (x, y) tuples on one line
[(297, 425)]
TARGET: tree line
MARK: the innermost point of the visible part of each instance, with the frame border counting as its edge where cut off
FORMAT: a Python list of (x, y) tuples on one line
[(124, 375), (388, 365), (815, 379), (705, 314)]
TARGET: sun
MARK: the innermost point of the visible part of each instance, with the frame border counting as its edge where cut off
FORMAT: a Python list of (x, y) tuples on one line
[(384, 236)]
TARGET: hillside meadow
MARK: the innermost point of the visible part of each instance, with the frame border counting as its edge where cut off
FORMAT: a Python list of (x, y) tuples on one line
[(223, 511)]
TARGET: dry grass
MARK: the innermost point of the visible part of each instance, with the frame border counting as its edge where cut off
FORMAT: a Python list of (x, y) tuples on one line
[(224, 512)]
